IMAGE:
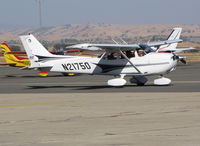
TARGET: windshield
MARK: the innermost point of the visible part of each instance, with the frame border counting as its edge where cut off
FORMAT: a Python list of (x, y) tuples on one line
[(146, 48)]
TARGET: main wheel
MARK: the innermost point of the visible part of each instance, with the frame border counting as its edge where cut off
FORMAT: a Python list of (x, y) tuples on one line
[(140, 84)]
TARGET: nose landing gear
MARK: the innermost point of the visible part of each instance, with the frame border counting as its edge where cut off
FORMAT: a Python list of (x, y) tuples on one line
[(162, 81), (139, 80)]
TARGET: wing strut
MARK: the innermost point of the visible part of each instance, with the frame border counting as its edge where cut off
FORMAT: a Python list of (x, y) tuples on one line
[(130, 61)]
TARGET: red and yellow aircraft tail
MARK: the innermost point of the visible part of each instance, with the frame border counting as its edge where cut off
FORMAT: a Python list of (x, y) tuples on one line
[(5, 47), (12, 59)]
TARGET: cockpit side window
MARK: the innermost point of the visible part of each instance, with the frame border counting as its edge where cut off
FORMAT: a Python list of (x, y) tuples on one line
[(144, 49), (109, 56), (113, 56)]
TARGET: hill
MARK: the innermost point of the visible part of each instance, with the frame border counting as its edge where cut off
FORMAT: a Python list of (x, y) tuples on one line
[(101, 31), (75, 33)]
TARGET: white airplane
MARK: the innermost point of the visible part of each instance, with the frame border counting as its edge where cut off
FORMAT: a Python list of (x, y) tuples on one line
[(138, 62)]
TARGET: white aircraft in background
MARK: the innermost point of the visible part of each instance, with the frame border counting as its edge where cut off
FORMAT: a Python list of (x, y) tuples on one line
[(133, 60)]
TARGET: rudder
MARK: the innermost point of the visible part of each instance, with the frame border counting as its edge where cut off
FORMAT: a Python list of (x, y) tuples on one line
[(34, 49)]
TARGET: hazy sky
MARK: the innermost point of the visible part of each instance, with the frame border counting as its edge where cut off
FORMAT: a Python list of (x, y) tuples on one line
[(60, 12)]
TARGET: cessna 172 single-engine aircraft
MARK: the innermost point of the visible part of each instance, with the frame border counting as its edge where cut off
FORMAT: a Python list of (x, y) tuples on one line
[(133, 60)]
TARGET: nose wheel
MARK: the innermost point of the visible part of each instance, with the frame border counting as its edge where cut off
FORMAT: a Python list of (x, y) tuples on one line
[(139, 80), (162, 81)]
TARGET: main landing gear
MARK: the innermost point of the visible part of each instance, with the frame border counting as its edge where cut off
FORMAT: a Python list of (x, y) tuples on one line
[(139, 80), (117, 82)]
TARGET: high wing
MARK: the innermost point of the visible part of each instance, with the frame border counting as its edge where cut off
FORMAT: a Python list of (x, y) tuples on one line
[(117, 47), (107, 47), (157, 44)]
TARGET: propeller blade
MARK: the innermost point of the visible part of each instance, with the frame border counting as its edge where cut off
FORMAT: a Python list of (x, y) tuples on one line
[(183, 61)]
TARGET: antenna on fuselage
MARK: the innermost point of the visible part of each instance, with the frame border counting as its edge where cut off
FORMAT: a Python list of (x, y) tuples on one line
[(124, 41), (115, 41)]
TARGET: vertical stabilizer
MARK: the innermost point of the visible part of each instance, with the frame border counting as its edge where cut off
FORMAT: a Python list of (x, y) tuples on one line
[(5, 47), (8, 57), (34, 49), (12, 59), (175, 35)]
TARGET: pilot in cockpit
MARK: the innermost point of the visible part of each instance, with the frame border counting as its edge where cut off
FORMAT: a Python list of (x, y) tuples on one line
[(129, 54), (140, 53)]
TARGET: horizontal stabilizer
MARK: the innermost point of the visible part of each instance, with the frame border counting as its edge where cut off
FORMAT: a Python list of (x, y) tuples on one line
[(157, 44), (177, 50)]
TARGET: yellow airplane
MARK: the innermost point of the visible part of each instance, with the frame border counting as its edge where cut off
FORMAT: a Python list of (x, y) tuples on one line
[(17, 61), (12, 59)]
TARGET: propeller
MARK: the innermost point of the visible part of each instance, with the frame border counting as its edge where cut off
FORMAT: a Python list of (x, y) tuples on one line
[(182, 59), (179, 58)]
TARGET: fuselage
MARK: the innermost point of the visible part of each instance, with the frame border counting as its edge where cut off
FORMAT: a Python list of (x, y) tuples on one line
[(150, 64)]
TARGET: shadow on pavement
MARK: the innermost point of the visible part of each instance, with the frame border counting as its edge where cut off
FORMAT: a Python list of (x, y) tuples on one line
[(92, 87)]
